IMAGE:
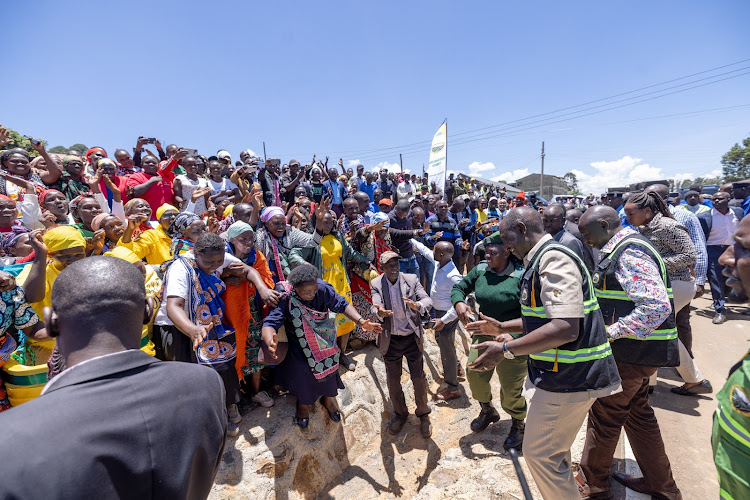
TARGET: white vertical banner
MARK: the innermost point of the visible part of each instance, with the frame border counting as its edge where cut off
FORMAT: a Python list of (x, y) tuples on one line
[(439, 157)]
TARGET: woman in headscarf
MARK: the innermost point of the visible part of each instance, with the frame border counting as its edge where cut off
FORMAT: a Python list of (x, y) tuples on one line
[(152, 245), (113, 228), (83, 209), (244, 309), (16, 249), (108, 179), (331, 258), (310, 367), (63, 245), (72, 182), (55, 209), (276, 239), (187, 228)]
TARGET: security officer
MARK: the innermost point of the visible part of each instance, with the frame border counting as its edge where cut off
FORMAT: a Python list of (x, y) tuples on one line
[(635, 297), (571, 362)]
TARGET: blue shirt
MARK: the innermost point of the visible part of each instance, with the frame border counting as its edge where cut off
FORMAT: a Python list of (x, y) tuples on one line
[(746, 205), (338, 191), (369, 189), (623, 217)]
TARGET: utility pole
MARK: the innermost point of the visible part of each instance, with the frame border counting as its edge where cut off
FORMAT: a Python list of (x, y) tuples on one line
[(541, 179), (264, 151), (401, 162)]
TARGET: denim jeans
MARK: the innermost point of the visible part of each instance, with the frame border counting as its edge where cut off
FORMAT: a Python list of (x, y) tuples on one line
[(409, 265)]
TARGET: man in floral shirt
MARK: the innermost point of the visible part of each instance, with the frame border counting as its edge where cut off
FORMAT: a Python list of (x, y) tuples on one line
[(631, 285)]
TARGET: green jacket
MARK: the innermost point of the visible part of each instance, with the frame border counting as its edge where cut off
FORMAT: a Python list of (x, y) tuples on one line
[(299, 256), (730, 438)]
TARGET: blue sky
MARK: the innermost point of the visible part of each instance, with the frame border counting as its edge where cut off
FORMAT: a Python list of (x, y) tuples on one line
[(367, 80)]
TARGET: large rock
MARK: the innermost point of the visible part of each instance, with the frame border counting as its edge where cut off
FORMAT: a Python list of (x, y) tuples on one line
[(358, 459)]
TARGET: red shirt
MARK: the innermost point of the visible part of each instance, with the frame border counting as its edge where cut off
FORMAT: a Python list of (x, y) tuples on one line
[(160, 193)]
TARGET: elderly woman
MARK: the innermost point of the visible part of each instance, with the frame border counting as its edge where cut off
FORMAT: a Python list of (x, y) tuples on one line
[(55, 209), (152, 245), (331, 259), (276, 239), (496, 284), (113, 228), (310, 368), (72, 182), (83, 209), (190, 322), (244, 309), (187, 228), (16, 249)]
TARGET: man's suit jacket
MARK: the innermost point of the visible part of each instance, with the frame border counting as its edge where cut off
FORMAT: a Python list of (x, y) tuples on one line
[(124, 425), (410, 289), (707, 220)]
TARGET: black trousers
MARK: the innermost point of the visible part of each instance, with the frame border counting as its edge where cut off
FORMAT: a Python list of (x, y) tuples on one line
[(399, 348)]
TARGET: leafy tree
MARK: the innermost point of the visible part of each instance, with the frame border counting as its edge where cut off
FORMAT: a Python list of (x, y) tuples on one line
[(17, 140), (81, 148), (59, 150), (572, 181), (736, 162)]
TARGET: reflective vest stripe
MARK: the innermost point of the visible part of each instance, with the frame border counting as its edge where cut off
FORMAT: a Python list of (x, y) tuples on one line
[(621, 294), (733, 428), (577, 356), (538, 312), (724, 494), (666, 334)]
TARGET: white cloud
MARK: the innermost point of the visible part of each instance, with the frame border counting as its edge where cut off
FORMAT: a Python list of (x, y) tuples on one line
[(390, 167), (619, 173), (475, 167), (353, 163), (511, 176)]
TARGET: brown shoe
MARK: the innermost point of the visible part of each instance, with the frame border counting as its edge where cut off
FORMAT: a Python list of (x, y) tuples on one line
[(396, 424), (638, 484), (448, 394)]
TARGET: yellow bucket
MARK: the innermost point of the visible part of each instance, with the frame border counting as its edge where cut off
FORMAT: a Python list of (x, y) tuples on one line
[(23, 383)]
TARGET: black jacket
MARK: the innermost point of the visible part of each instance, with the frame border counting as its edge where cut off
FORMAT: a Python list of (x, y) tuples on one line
[(120, 426)]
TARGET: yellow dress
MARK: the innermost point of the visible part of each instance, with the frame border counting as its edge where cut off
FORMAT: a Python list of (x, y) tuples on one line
[(335, 274)]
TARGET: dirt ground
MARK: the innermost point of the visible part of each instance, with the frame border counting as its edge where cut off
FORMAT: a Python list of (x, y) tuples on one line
[(456, 463)]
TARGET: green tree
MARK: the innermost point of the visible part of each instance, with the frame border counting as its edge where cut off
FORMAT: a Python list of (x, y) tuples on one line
[(59, 150), (17, 140), (572, 181), (81, 148), (736, 162)]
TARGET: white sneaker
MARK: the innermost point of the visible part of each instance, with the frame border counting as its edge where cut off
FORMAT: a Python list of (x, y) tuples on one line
[(233, 414), (263, 399)]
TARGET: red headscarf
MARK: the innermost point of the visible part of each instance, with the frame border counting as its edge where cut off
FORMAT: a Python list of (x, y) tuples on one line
[(46, 192), (93, 150)]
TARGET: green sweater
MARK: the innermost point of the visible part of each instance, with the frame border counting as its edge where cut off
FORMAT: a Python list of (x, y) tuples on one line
[(498, 295)]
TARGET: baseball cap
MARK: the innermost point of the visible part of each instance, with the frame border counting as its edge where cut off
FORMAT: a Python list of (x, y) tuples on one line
[(386, 201), (293, 162), (386, 256)]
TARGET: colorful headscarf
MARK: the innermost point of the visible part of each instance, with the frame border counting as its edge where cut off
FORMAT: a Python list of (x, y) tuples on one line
[(380, 216), (76, 201), (92, 151), (62, 238), (183, 220), (44, 194), (9, 240), (270, 212), (107, 161), (68, 158), (5, 197)]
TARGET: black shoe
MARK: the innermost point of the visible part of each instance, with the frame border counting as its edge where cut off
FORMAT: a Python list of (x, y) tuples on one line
[(487, 416), (347, 362), (397, 423), (719, 318), (651, 389), (334, 415), (703, 388), (425, 426), (302, 422), (515, 436)]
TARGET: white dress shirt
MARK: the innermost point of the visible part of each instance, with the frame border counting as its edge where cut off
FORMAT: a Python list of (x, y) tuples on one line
[(442, 283), (722, 228)]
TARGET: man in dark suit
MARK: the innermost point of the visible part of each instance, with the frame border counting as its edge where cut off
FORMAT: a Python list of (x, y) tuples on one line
[(399, 301), (117, 423), (718, 224)]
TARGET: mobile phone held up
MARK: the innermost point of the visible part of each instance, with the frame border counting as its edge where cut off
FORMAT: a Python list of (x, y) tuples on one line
[(33, 141), (150, 140)]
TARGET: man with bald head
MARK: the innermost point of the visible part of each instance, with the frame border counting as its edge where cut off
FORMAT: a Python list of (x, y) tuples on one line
[(102, 428), (570, 362), (446, 320), (554, 225), (694, 381), (363, 202), (631, 285)]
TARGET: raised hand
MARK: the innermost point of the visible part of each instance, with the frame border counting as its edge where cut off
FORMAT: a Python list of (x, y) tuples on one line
[(38, 146), (48, 219), (5, 137), (18, 181), (37, 242)]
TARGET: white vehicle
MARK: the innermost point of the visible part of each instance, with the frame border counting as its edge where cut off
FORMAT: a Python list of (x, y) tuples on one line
[(563, 198)]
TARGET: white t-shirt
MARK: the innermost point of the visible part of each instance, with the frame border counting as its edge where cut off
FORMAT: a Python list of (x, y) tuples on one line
[(188, 186), (224, 185), (176, 285)]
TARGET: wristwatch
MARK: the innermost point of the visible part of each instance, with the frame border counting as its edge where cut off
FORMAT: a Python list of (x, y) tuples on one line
[(506, 352)]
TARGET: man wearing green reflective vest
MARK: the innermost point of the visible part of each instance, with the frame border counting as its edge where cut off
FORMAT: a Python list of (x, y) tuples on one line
[(635, 297), (570, 359), (730, 438)]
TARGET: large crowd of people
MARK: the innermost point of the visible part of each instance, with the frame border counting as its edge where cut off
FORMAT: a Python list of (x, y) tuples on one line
[(271, 274)]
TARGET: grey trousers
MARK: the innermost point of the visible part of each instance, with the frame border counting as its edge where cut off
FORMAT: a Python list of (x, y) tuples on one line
[(446, 339)]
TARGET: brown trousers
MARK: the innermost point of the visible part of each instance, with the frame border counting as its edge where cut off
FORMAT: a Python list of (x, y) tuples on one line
[(405, 347), (629, 409)]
